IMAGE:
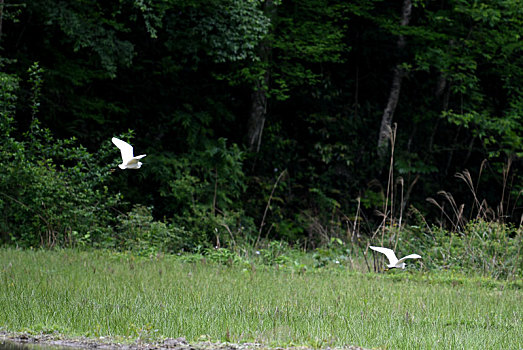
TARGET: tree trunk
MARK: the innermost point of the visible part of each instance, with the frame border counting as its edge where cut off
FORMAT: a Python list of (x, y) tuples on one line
[(258, 110), (1, 16), (388, 113), (257, 114), (386, 119)]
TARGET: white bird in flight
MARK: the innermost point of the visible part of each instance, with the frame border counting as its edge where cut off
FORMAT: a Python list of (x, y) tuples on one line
[(393, 260), (128, 160)]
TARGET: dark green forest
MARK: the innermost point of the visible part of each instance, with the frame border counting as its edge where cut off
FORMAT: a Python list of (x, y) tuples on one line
[(296, 121)]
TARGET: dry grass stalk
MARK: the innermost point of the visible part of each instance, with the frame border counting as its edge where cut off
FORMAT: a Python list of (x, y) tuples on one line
[(267, 206), (390, 184)]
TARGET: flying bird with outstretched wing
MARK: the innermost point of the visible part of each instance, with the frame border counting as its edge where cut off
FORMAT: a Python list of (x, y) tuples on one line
[(129, 161), (394, 262)]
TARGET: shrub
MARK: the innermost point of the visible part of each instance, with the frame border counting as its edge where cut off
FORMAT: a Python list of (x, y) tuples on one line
[(52, 192), (205, 228), (488, 247), (140, 233)]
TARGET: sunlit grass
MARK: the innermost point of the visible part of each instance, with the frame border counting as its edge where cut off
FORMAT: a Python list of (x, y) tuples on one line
[(104, 294)]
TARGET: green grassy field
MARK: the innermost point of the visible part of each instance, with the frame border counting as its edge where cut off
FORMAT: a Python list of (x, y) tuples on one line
[(105, 294)]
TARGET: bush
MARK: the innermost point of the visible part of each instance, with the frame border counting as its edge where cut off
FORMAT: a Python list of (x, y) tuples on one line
[(488, 247), (205, 228), (138, 232), (52, 192)]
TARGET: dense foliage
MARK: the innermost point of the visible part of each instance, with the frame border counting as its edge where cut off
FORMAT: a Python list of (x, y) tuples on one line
[(260, 120)]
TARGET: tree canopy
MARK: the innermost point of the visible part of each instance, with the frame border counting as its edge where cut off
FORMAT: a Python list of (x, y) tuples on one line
[(259, 117)]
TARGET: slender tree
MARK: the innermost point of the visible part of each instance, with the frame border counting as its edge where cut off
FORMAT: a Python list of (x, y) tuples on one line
[(1, 16), (258, 110), (398, 73)]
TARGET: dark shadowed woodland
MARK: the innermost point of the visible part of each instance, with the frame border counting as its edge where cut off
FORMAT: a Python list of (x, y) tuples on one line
[(316, 124)]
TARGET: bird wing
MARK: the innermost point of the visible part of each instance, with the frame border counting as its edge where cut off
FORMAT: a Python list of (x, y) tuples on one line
[(389, 253), (134, 160), (125, 148), (411, 256)]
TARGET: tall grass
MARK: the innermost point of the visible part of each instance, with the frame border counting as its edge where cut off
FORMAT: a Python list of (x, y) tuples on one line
[(121, 296), (475, 236)]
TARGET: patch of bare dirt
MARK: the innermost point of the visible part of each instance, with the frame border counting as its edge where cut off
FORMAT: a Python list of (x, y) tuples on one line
[(56, 340)]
